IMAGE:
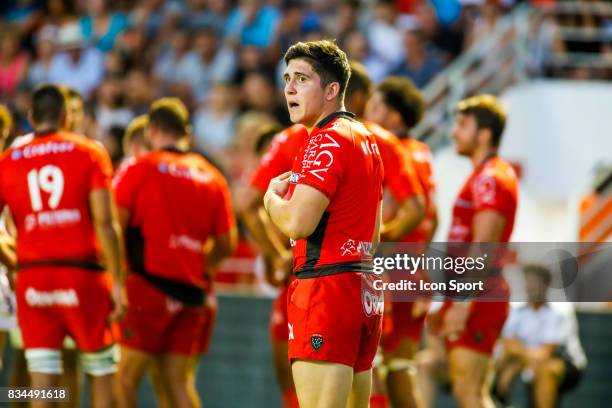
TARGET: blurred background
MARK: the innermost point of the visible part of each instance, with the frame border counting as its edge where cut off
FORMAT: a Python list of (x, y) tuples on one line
[(549, 61)]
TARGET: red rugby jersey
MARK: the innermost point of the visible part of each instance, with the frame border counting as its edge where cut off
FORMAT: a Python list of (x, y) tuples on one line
[(494, 186), (420, 155), (400, 173), (279, 156), (340, 159), (177, 201), (46, 183)]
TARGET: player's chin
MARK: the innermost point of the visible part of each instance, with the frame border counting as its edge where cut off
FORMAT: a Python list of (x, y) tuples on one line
[(296, 117)]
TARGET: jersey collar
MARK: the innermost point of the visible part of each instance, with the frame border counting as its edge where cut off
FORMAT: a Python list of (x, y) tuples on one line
[(173, 149), (335, 115), (46, 132)]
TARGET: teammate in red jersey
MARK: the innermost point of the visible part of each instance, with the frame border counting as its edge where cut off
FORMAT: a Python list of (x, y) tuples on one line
[(403, 320), (57, 187), (484, 212), (332, 214), (277, 159), (176, 209)]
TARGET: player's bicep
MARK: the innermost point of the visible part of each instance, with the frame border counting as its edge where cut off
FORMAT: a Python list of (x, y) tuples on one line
[(307, 207), (488, 226)]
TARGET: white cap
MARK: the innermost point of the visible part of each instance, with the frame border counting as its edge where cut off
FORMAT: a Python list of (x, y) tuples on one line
[(70, 36)]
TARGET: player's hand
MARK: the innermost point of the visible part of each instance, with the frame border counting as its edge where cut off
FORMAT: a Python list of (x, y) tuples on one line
[(420, 308), (119, 299), (455, 320), (278, 269), (280, 184)]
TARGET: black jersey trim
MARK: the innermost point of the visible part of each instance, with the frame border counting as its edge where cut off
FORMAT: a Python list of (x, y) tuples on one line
[(189, 295), (338, 114), (334, 269)]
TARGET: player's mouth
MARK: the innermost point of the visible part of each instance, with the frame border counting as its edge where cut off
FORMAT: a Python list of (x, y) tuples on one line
[(293, 105)]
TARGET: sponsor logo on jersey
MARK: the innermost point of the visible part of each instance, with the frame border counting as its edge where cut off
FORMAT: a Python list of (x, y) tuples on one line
[(185, 242), (42, 149), (290, 326), (59, 297), (318, 156), (184, 172), (316, 341), (372, 304)]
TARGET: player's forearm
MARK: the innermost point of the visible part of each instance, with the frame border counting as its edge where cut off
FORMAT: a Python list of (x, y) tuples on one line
[(220, 247), (282, 216), (8, 253), (407, 218), (111, 243), (260, 231)]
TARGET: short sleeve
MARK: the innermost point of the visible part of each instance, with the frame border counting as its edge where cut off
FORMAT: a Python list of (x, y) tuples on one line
[(489, 193), (511, 326), (102, 172), (400, 173), (324, 162), (273, 163), (224, 218), (556, 329), (126, 183)]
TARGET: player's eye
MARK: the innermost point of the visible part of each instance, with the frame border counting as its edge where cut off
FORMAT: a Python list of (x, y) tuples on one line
[(301, 79)]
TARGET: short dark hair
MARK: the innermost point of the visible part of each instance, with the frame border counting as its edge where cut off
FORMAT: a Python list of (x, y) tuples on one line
[(401, 95), (265, 135), (359, 80), (540, 271), (488, 113), (327, 60), (48, 104), (169, 115)]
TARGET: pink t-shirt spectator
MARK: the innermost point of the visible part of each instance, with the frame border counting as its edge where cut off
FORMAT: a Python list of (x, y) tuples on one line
[(12, 73)]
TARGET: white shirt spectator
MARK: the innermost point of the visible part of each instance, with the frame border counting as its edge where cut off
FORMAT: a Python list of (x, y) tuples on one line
[(193, 70), (549, 324), (84, 75)]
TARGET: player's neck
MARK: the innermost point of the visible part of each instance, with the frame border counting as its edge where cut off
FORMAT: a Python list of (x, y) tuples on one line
[(482, 155), (45, 128), (325, 113)]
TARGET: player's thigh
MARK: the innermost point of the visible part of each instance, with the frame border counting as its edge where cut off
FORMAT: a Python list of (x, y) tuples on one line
[(132, 366), (468, 368), (361, 390), (178, 370), (321, 384), (402, 356)]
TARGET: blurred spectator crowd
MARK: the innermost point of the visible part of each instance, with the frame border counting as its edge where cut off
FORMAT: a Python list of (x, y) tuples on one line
[(222, 57)]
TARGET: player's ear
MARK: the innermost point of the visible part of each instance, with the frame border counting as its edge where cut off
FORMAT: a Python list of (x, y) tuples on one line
[(486, 136), (332, 91), (64, 118)]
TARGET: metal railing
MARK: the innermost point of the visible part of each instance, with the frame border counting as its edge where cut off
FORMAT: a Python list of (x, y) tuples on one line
[(505, 58)]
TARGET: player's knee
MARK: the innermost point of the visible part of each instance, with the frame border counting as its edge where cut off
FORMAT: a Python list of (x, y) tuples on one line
[(401, 364), (44, 361), (548, 368), (100, 363)]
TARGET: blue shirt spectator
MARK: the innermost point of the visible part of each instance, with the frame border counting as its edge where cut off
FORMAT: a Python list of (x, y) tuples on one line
[(117, 22), (252, 24)]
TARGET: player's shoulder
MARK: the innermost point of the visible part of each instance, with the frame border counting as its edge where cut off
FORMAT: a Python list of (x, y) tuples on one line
[(499, 169), (416, 145), (342, 130), (383, 137), (295, 132)]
